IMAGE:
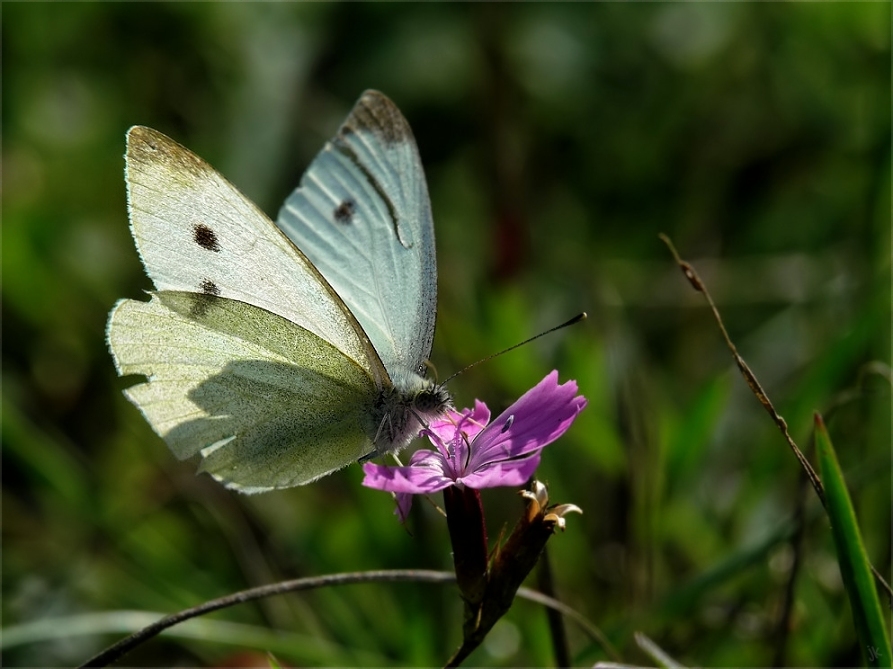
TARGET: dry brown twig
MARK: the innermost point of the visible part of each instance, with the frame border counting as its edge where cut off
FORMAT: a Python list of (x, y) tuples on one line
[(755, 386)]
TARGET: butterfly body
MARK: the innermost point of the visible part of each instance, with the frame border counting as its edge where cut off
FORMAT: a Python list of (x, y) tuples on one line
[(280, 354), (399, 408)]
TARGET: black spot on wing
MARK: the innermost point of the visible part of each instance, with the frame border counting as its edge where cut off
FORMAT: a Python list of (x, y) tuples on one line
[(351, 155), (203, 301), (344, 212), (205, 237)]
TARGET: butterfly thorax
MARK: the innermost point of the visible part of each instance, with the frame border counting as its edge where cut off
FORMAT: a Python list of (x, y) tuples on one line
[(405, 408)]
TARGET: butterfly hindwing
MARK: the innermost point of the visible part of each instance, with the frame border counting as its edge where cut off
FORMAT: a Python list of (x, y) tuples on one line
[(266, 403), (362, 215)]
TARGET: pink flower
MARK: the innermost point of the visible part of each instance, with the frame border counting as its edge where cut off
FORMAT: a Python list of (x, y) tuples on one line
[(470, 453)]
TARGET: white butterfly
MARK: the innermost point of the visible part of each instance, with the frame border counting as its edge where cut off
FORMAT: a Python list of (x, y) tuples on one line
[(282, 354)]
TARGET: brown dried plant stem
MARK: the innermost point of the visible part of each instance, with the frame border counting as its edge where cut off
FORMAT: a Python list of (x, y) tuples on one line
[(508, 568), (509, 565), (755, 386)]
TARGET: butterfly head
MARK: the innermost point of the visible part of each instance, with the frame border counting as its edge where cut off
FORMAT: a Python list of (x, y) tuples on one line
[(405, 408)]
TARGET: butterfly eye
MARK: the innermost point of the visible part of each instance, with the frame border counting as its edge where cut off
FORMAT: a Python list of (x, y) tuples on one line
[(508, 424)]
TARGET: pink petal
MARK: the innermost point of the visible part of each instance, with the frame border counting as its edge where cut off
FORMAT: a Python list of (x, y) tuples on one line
[(511, 473), (404, 504), (469, 421), (538, 418), (415, 479)]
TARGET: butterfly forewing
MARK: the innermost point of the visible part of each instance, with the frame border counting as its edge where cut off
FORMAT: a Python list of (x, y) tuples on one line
[(363, 217), (195, 232)]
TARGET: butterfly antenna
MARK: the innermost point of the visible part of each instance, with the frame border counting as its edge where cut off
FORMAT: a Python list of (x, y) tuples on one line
[(576, 319)]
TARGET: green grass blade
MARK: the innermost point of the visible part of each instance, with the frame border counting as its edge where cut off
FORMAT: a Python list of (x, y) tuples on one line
[(210, 633), (854, 565)]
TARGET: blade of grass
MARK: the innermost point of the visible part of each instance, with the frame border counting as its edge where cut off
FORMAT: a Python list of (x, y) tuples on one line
[(854, 565), (655, 652), (303, 648)]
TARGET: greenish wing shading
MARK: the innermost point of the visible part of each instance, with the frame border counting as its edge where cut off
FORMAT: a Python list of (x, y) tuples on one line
[(265, 402)]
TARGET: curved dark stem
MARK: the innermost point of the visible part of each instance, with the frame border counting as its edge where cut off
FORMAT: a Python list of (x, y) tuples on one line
[(116, 651), (119, 649)]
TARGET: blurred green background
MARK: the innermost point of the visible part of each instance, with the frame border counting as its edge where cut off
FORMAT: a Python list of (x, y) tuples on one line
[(558, 141)]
